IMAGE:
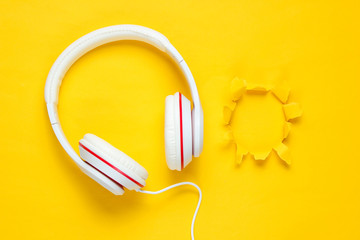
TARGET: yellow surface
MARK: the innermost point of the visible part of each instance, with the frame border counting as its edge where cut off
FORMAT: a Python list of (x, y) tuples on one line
[(238, 88), (282, 91), (258, 131), (292, 111), (227, 115), (118, 92), (283, 152), (286, 129)]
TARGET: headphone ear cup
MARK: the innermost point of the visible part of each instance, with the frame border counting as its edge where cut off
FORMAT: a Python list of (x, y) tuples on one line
[(178, 131), (112, 163), (103, 180)]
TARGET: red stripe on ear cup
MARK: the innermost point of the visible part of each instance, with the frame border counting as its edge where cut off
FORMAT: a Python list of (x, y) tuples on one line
[(112, 166), (181, 134), (122, 187)]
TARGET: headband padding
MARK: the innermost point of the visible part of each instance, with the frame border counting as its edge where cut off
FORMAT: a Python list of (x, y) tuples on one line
[(103, 150)]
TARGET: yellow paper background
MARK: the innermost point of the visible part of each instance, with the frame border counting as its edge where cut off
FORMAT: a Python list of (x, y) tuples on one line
[(118, 91)]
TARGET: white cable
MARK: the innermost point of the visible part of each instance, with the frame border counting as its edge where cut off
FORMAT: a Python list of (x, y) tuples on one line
[(177, 185)]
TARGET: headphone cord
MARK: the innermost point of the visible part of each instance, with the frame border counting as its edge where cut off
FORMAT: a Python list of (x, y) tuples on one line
[(177, 185)]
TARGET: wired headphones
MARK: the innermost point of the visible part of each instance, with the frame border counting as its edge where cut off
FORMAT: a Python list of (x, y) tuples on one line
[(110, 167), (104, 163)]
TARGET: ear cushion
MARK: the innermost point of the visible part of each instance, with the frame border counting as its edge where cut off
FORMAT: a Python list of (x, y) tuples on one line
[(171, 133), (112, 162), (178, 131), (103, 180)]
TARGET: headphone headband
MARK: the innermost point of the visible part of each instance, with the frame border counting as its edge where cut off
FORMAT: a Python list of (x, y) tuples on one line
[(111, 34), (107, 35)]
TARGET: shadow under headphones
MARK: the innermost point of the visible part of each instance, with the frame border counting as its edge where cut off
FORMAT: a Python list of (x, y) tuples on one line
[(104, 163)]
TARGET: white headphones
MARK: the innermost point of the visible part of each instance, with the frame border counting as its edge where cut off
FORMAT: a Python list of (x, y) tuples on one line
[(107, 165)]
